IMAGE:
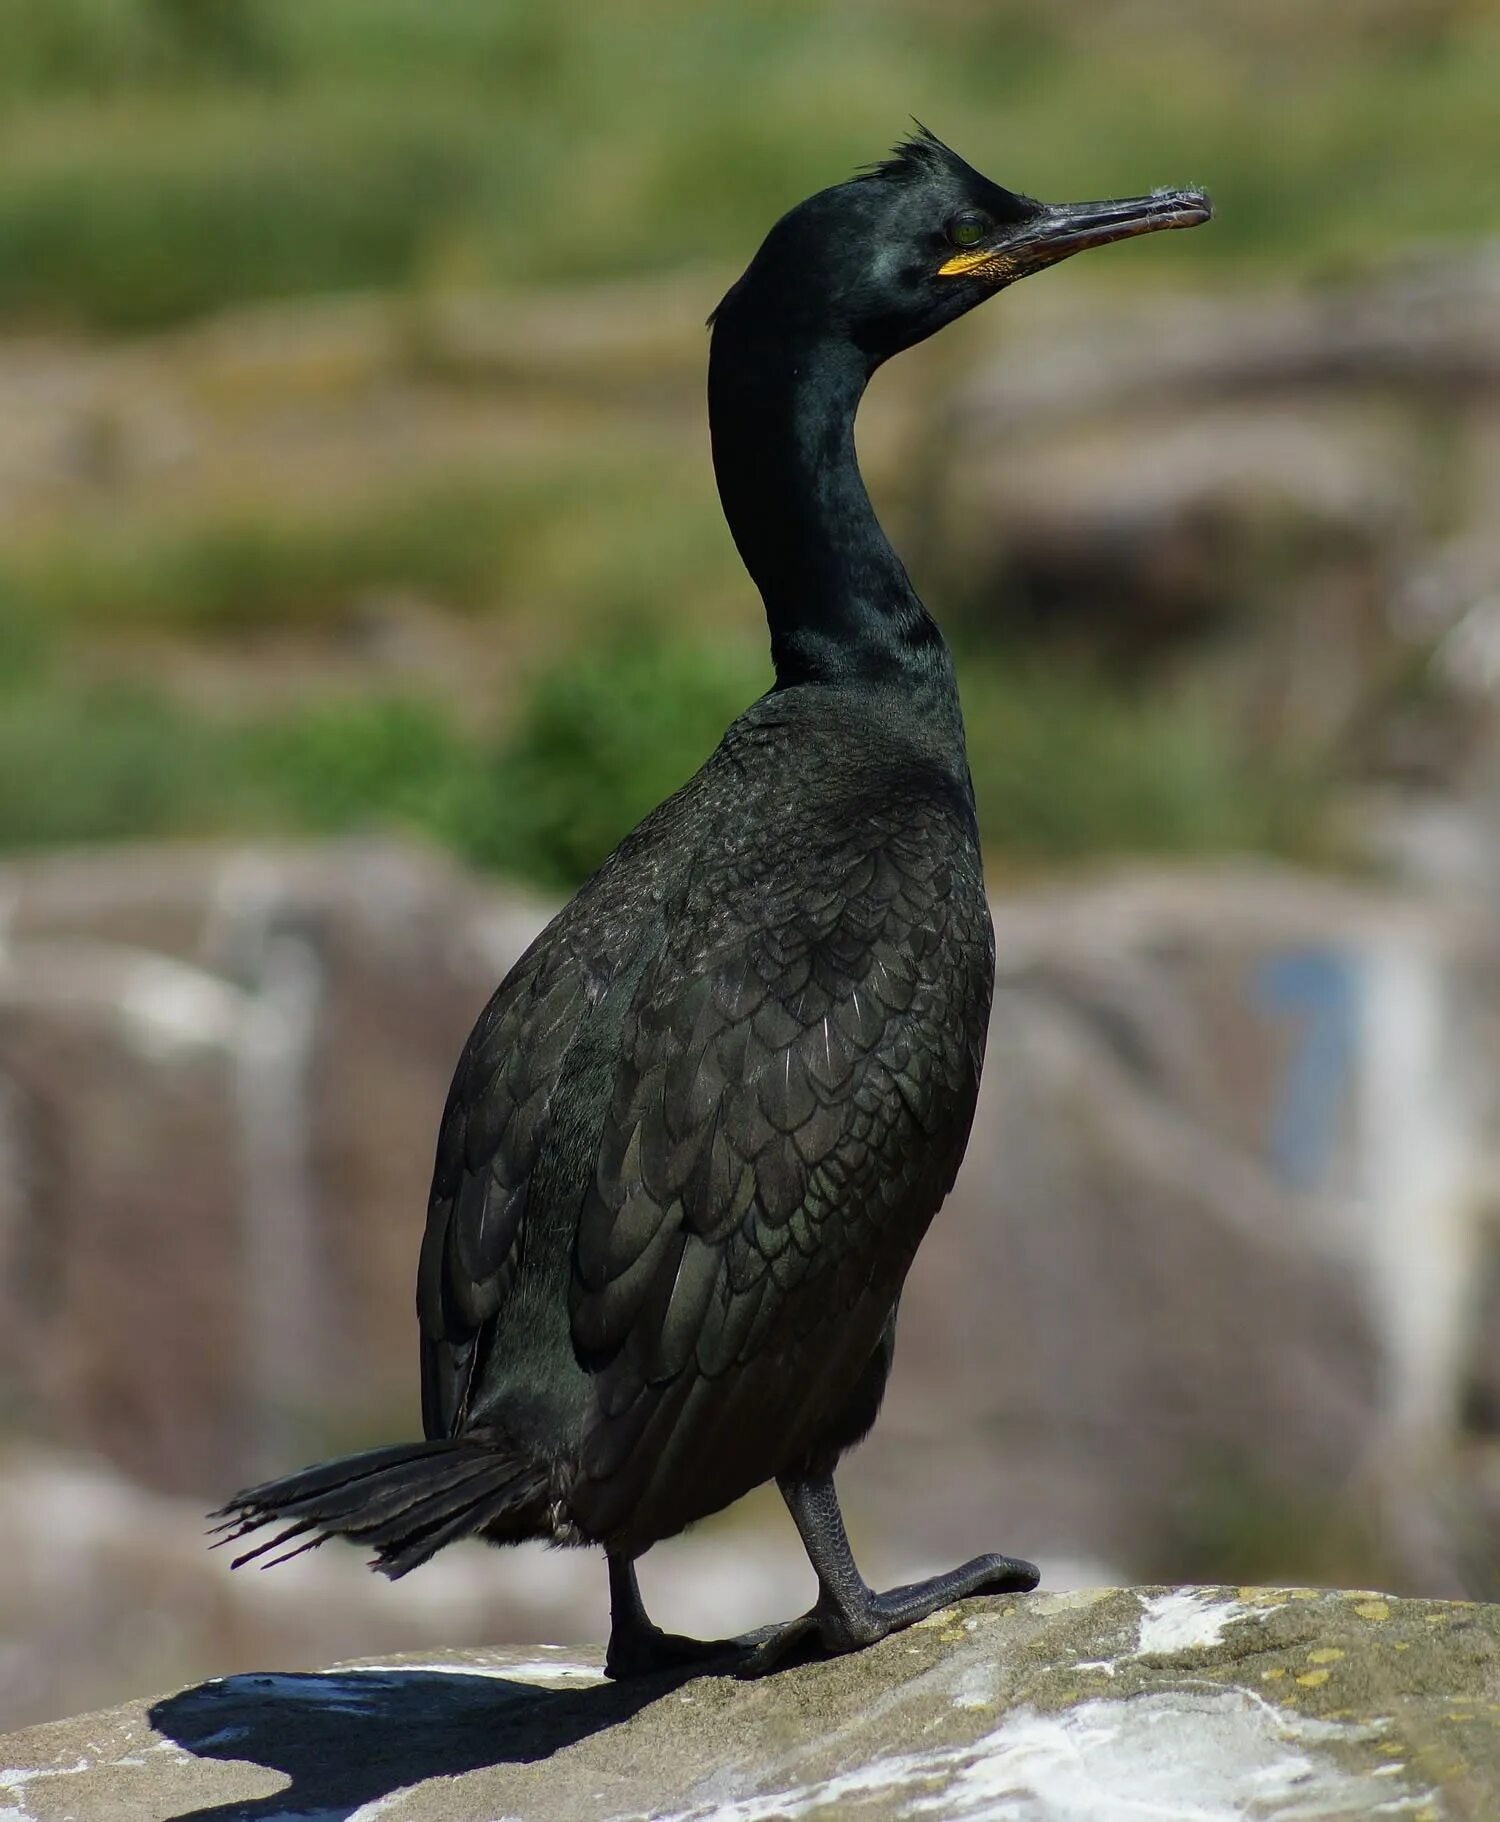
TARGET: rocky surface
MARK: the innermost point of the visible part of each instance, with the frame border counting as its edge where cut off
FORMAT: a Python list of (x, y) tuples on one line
[(1187, 1705), (1226, 1113), (229, 1061), (1237, 1098), (1168, 1322)]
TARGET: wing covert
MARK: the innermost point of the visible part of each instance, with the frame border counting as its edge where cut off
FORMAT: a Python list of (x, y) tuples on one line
[(488, 1144), (792, 1099)]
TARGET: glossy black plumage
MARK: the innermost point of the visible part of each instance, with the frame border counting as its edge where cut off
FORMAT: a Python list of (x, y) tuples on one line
[(699, 1132), (793, 1053)]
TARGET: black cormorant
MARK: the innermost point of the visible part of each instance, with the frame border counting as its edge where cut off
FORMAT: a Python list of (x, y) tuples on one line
[(699, 1132)]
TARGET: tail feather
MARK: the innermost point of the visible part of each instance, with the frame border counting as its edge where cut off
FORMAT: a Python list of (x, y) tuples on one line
[(408, 1501), (420, 1546), (411, 1516), (402, 1497)]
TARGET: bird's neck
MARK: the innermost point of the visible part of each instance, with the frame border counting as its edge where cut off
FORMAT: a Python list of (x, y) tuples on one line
[(840, 605)]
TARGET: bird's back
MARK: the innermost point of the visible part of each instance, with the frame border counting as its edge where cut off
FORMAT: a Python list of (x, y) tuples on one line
[(699, 1131)]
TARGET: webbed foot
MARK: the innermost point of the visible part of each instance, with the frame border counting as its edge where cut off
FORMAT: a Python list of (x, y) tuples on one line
[(857, 1616)]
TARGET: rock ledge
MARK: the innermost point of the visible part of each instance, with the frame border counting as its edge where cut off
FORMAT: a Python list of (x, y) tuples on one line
[(1190, 1703)]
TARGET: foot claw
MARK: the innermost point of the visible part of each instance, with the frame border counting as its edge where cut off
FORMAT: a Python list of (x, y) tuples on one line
[(1004, 1575)]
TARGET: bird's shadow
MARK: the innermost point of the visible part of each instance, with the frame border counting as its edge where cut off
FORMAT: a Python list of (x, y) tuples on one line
[(347, 1737)]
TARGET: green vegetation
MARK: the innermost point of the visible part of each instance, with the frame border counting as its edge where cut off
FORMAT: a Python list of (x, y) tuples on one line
[(587, 537), (159, 158), (1063, 770), (1236, 1523), (249, 571), (112, 218), (163, 160), (603, 738), (598, 742), (103, 764), (1067, 766)]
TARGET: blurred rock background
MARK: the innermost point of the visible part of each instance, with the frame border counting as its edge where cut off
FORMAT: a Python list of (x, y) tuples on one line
[(361, 580)]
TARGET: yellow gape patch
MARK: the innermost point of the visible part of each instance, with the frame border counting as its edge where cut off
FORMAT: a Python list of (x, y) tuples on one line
[(981, 262)]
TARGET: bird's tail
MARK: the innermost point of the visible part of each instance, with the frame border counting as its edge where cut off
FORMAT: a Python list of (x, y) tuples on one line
[(405, 1501)]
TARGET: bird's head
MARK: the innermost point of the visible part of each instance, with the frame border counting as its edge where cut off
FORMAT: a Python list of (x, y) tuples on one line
[(893, 255)]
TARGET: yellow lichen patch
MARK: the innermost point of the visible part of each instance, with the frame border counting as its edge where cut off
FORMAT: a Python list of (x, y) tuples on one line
[(1325, 1654), (1401, 1645), (1272, 1676), (1373, 1610), (1314, 1679), (934, 1621)]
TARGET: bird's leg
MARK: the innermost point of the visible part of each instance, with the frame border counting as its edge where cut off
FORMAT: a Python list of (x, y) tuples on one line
[(636, 1646), (849, 1613)]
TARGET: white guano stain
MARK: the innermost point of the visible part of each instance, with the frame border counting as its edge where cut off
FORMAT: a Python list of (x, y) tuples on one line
[(14, 1781), (1228, 1756), (1188, 1619), (977, 1686), (1221, 1756)]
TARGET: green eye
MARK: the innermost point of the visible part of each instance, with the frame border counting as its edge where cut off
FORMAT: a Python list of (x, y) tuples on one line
[(966, 230)]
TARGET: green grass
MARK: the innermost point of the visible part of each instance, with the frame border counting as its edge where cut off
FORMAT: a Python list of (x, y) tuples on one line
[(104, 765), (128, 215), (1236, 1522), (161, 160), (244, 572), (603, 737), (1067, 765), (153, 167), (1061, 768), (584, 539), (98, 47)]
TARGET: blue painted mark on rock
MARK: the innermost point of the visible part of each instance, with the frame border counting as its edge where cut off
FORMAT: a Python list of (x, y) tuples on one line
[(1319, 988)]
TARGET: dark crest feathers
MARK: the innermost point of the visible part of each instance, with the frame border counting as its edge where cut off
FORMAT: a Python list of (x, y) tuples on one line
[(920, 154)]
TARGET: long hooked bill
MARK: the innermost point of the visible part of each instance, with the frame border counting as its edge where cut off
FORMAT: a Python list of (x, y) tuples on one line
[(1061, 229)]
